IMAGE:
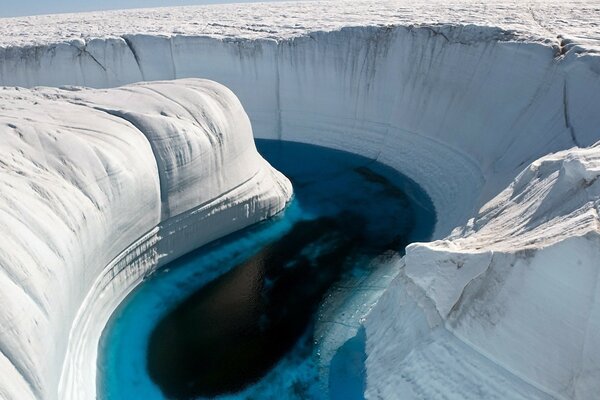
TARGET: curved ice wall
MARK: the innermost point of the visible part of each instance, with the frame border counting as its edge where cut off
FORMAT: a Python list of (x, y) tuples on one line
[(100, 187), (481, 99), (462, 110)]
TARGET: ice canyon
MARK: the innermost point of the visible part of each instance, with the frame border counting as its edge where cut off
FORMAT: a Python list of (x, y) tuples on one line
[(127, 141)]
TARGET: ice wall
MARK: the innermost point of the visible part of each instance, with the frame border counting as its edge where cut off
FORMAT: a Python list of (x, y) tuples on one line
[(99, 188), (480, 98), (462, 110)]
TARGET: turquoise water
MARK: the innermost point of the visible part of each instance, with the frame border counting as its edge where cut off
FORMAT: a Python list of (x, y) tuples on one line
[(355, 210)]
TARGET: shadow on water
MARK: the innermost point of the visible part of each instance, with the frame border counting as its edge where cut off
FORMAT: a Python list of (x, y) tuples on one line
[(235, 319)]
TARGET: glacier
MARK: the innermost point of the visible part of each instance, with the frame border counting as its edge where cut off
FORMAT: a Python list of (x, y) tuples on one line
[(493, 109)]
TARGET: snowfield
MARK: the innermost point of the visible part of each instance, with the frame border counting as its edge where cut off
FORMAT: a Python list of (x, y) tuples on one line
[(547, 21), (494, 109)]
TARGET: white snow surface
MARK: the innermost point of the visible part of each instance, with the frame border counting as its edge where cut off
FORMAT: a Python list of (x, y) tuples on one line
[(99, 187), (493, 108), (548, 20)]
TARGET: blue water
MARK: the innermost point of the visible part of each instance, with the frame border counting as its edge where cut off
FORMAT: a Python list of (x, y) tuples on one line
[(388, 209), (346, 374)]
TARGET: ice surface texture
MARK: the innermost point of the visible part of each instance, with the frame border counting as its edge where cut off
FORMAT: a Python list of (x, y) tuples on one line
[(537, 20), (99, 187), (464, 98)]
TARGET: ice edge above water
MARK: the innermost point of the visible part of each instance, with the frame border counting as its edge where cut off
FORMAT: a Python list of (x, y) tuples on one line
[(100, 188)]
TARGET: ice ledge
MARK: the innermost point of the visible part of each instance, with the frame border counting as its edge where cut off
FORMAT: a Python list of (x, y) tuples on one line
[(172, 238), (167, 166)]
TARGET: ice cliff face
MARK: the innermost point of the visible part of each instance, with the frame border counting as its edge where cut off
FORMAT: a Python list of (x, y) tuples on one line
[(464, 98), (98, 189), (485, 100), (519, 284)]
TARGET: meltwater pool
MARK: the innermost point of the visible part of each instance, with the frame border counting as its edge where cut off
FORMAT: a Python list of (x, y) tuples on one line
[(238, 318)]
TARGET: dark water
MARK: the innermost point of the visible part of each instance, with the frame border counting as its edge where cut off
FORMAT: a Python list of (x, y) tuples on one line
[(237, 327), (235, 318)]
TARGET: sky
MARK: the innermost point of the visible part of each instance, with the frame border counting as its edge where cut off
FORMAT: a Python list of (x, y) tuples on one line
[(14, 8)]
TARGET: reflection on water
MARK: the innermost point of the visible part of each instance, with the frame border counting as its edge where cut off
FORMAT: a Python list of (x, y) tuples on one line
[(235, 319)]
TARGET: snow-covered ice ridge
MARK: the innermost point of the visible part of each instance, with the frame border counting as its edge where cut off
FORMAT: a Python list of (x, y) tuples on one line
[(493, 109), (99, 188)]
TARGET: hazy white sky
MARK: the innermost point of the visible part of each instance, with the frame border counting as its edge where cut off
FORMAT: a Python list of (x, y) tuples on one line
[(13, 8)]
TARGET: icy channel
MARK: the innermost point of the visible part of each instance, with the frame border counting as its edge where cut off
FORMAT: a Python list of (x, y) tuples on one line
[(238, 318)]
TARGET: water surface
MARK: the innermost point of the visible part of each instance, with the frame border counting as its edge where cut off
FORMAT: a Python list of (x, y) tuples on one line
[(235, 319)]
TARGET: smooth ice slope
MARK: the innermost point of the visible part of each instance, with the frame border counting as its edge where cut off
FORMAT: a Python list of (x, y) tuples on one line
[(99, 188), (460, 96)]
